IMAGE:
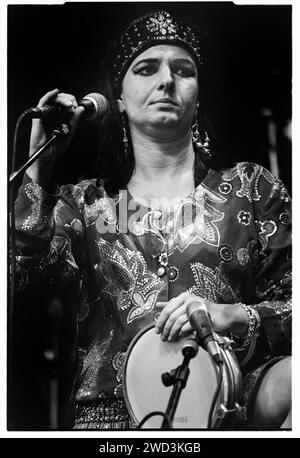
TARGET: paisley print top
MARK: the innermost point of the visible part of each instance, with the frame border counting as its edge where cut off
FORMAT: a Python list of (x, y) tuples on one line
[(228, 241)]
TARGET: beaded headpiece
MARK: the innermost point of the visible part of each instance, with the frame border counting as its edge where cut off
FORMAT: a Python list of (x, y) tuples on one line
[(151, 29)]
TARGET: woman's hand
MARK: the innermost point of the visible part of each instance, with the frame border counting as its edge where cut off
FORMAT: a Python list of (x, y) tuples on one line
[(226, 318), (41, 132)]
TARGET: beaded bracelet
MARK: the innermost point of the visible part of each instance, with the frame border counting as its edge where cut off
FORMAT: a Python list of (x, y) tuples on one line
[(253, 323)]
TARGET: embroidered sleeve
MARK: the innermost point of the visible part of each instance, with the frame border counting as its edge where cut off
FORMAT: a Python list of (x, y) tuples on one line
[(274, 279), (48, 233)]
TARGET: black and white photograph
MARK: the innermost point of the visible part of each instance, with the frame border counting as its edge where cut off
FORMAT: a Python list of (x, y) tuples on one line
[(149, 259)]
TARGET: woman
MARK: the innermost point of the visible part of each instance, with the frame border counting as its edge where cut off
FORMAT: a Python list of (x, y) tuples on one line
[(191, 232)]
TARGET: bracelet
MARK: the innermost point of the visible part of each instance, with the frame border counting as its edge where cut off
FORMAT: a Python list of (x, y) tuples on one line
[(253, 324)]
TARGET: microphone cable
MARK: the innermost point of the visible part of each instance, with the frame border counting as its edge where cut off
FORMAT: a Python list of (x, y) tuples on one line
[(153, 414)]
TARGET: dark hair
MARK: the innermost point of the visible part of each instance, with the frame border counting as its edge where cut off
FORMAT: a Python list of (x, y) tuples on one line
[(111, 166)]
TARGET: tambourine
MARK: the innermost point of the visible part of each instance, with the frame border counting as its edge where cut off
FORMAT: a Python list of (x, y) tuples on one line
[(148, 357)]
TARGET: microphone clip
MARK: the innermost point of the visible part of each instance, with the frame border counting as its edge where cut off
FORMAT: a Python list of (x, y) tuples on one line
[(62, 130), (180, 374)]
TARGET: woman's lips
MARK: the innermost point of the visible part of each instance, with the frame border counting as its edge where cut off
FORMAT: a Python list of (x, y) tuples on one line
[(165, 100)]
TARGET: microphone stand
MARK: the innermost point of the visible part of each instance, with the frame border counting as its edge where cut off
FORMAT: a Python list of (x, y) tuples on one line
[(63, 130), (178, 378)]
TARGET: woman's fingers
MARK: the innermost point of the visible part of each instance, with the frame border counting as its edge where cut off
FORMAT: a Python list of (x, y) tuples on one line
[(176, 329), (186, 329), (42, 128), (174, 323), (68, 101), (47, 97), (171, 306), (74, 120)]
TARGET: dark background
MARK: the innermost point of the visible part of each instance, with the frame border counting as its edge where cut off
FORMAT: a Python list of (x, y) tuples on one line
[(52, 46)]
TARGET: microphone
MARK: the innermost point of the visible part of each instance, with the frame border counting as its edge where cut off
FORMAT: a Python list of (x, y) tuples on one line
[(201, 323), (95, 108)]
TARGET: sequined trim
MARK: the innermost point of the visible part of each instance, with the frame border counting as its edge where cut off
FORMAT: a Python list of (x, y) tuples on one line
[(94, 425), (249, 175), (95, 358), (98, 412), (38, 219), (253, 324), (279, 191), (153, 223), (277, 307), (195, 220), (118, 364), (212, 284), (128, 279), (161, 24)]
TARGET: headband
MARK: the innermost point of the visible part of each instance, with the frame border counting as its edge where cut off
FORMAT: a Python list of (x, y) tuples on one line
[(149, 30)]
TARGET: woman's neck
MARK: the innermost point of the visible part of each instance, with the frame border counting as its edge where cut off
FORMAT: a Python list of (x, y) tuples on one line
[(161, 157), (163, 167)]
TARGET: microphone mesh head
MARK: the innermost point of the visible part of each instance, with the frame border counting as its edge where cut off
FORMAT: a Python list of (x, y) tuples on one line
[(101, 106)]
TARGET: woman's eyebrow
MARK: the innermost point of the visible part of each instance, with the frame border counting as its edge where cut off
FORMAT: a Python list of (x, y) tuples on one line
[(154, 60), (183, 60), (150, 60)]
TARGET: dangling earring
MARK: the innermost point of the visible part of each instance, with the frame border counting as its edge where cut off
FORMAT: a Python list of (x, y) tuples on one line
[(196, 138), (125, 138), (205, 145)]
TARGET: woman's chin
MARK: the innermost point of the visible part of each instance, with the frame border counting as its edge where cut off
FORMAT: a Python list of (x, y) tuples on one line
[(165, 120), (161, 122)]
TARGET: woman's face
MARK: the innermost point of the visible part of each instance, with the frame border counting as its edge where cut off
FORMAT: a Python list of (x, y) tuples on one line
[(160, 89)]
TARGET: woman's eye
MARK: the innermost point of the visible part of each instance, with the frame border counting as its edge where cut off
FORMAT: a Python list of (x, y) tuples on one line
[(185, 71), (146, 71)]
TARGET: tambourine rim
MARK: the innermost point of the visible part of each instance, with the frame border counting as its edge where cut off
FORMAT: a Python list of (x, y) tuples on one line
[(129, 349)]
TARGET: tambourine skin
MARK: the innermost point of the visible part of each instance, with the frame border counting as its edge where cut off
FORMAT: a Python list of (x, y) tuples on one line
[(148, 357)]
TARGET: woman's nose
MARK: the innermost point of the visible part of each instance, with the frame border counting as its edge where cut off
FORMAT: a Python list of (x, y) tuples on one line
[(166, 78)]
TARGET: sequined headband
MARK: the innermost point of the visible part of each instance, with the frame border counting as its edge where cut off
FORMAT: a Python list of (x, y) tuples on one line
[(151, 29)]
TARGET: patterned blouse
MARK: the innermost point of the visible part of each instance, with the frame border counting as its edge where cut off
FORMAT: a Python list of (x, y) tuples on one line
[(228, 241)]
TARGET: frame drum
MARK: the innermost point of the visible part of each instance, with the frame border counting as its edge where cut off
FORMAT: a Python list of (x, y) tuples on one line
[(148, 357)]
